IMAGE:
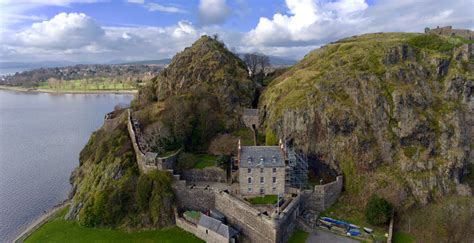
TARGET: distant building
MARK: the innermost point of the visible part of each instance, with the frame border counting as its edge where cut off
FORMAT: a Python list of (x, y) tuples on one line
[(449, 31), (250, 118), (213, 230), (261, 170)]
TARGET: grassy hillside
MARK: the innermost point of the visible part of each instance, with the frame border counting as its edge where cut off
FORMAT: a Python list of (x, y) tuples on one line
[(392, 112)]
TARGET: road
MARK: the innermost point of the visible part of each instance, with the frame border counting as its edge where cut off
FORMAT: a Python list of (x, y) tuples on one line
[(324, 236)]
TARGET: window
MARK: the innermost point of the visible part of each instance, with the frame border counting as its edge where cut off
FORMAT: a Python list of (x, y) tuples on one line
[(249, 160), (262, 191), (274, 159), (274, 179), (262, 180), (274, 189), (249, 170), (274, 170), (250, 189), (207, 232), (250, 180), (261, 170)]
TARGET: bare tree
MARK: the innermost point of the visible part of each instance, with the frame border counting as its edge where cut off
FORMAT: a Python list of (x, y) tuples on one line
[(256, 64)]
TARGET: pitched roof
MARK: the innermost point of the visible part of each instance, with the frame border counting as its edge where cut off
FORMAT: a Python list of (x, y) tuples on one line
[(217, 226), (258, 156)]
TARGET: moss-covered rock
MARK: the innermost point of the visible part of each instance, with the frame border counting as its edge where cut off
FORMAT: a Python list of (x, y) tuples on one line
[(396, 106)]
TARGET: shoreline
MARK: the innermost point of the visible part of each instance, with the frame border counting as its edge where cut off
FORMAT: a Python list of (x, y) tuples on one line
[(34, 90), (39, 221)]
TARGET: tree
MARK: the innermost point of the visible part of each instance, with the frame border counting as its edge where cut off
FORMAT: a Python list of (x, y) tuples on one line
[(378, 211), (256, 64)]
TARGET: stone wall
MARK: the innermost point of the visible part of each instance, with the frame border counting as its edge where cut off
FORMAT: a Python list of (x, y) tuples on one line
[(288, 219), (197, 198), (199, 231), (141, 160), (149, 161), (449, 31), (322, 196), (268, 186), (210, 174), (253, 226)]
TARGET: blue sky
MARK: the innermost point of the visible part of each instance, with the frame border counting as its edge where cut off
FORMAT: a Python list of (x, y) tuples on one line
[(101, 31)]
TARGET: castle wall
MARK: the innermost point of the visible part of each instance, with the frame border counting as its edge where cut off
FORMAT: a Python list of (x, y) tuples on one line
[(322, 196), (199, 231), (197, 198), (210, 174), (253, 226), (288, 219)]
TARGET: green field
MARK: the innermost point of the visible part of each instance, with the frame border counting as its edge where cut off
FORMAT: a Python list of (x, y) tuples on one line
[(84, 85), (298, 236), (60, 230), (205, 160), (267, 199), (399, 237)]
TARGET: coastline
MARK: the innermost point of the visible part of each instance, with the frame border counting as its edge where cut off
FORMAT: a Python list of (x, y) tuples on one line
[(39, 221), (34, 90)]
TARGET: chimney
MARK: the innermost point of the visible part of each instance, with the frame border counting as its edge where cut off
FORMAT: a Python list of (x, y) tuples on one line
[(238, 154)]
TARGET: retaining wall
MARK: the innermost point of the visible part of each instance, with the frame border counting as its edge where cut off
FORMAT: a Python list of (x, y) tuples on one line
[(197, 198), (211, 174), (253, 226), (322, 196)]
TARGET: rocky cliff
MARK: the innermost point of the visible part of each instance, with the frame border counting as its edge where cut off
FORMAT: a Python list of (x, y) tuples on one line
[(199, 95), (393, 112)]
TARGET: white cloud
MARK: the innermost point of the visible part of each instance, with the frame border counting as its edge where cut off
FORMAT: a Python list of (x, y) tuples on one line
[(76, 35), (306, 25), (213, 11), (316, 22), (308, 20), (161, 8), (136, 1), (64, 31)]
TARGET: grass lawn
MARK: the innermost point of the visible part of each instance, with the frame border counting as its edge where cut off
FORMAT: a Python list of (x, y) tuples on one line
[(399, 237), (267, 199), (205, 160), (60, 230), (83, 85), (298, 236)]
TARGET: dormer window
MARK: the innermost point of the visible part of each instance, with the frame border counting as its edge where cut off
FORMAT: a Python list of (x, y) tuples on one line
[(249, 160), (261, 159), (274, 159)]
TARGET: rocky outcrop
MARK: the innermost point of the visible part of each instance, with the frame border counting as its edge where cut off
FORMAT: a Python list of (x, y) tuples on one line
[(386, 110)]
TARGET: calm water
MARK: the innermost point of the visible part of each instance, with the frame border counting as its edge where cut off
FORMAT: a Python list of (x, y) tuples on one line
[(41, 136)]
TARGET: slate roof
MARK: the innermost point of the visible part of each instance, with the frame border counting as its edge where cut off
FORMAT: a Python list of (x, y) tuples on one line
[(216, 226), (251, 156)]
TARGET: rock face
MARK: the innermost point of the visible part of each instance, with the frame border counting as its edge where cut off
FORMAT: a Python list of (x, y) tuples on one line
[(206, 65), (393, 112)]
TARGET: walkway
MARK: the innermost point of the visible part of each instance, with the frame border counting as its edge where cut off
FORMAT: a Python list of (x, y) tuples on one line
[(325, 236)]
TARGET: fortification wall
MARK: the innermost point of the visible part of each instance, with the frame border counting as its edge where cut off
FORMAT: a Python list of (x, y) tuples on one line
[(196, 198), (322, 196), (253, 226), (210, 174), (138, 153), (288, 219), (449, 31)]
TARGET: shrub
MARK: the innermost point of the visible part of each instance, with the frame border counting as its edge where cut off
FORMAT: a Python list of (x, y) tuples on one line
[(185, 161), (271, 138), (377, 211)]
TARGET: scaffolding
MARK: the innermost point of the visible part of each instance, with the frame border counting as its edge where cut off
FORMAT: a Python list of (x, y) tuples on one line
[(297, 170)]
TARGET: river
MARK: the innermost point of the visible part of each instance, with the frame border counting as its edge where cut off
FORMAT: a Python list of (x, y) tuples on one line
[(41, 136)]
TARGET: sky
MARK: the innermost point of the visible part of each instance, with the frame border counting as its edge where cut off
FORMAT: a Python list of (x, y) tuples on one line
[(92, 31)]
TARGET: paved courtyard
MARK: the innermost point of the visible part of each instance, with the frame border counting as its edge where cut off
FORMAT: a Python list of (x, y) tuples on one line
[(324, 236)]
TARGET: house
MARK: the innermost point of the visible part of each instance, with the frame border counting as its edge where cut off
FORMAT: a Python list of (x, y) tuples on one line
[(261, 170), (213, 230)]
